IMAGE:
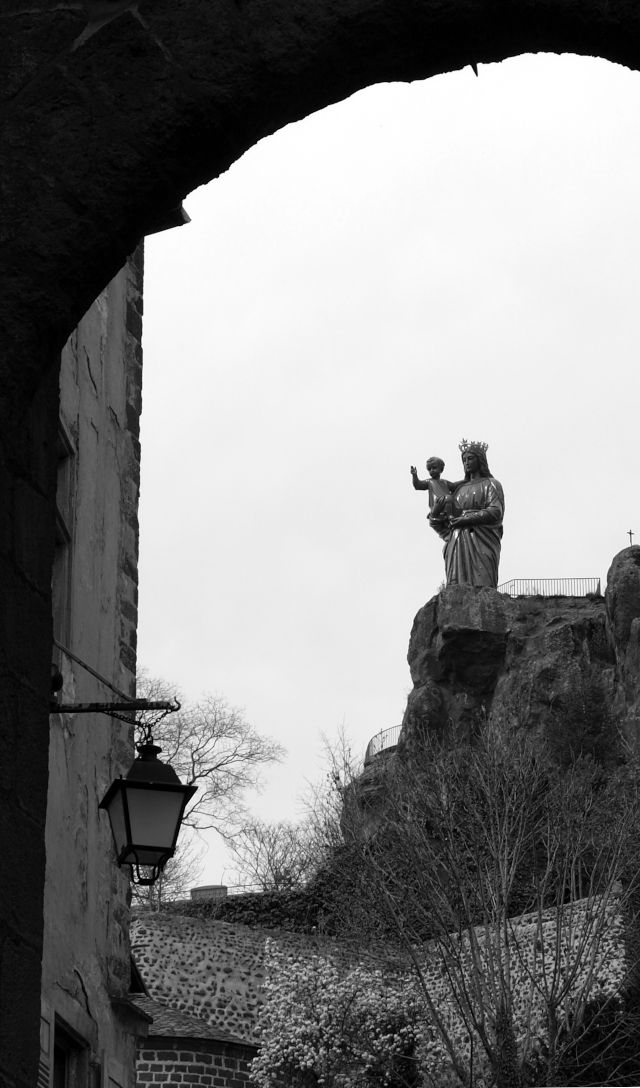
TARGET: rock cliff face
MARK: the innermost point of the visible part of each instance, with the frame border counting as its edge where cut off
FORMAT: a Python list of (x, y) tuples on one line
[(567, 668)]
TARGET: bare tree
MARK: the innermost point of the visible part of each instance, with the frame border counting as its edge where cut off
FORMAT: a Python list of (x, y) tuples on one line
[(275, 856), (515, 877), (211, 745), (283, 855), (503, 879)]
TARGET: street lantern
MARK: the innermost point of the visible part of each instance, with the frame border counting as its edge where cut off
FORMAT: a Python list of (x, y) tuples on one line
[(145, 810)]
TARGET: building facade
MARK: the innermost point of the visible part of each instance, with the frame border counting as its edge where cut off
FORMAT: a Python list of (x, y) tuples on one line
[(88, 1025)]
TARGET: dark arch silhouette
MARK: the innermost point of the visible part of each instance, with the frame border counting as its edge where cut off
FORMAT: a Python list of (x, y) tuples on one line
[(115, 120), (112, 112)]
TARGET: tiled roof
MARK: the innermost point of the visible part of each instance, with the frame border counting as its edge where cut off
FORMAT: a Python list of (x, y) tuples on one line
[(172, 1022)]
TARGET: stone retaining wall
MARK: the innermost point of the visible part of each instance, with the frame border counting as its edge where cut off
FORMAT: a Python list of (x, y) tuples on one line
[(216, 971)]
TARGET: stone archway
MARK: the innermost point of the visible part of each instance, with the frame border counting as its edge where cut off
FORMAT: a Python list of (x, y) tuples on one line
[(113, 110), (113, 118)]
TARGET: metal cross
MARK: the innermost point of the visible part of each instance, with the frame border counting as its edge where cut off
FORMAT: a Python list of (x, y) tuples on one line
[(630, 534)]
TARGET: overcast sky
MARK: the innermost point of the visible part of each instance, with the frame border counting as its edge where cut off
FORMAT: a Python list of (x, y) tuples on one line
[(452, 258)]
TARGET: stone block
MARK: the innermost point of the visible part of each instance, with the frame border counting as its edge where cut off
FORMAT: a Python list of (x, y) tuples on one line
[(461, 633), (622, 594)]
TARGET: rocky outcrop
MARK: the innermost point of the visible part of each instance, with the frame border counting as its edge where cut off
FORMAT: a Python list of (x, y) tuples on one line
[(567, 668), (622, 599)]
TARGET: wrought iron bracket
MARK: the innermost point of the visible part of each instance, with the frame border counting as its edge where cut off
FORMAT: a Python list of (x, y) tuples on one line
[(122, 710)]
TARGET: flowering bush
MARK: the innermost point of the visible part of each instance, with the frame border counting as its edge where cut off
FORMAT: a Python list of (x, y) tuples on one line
[(325, 1024)]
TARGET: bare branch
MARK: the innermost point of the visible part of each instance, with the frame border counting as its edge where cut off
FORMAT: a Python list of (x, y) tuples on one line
[(211, 745)]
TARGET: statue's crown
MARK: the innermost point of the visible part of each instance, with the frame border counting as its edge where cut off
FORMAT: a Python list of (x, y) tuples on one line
[(474, 447)]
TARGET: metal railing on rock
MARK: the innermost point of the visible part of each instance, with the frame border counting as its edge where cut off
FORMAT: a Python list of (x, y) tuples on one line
[(383, 741), (551, 587)]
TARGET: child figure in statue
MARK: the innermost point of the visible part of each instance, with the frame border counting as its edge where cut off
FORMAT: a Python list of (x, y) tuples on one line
[(440, 502)]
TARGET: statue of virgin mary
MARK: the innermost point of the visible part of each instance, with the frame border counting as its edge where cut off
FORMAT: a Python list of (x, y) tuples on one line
[(472, 547)]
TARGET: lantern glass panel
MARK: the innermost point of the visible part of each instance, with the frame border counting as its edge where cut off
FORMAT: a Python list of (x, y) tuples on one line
[(154, 816), (118, 824)]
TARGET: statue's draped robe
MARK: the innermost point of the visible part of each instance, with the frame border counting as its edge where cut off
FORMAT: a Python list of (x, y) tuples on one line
[(471, 555)]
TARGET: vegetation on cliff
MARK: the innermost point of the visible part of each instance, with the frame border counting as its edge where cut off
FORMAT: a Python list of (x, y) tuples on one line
[(500, 876)]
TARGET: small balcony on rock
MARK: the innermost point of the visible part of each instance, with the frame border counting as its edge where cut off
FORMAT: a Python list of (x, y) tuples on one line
[(382, 743)]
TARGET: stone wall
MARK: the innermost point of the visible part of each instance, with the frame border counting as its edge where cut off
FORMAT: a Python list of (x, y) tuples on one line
[(462, 977), (27, 481), (593, 955), (216, 972), (211, 970)]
